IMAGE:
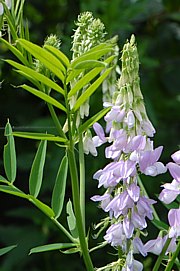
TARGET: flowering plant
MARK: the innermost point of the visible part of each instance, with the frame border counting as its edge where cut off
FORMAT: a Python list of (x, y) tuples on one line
[(66, 86)]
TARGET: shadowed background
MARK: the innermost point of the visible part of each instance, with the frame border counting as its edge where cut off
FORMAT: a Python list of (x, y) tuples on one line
[(156, 25)]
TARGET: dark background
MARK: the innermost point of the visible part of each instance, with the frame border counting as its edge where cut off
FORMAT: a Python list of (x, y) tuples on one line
[(156, 25)]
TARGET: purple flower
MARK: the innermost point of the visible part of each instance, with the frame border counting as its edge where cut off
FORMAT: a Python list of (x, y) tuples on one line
[(115, 235), (125, 169), (144, 207), (170, 192), (138, 246), (100, 138), (138, 220), (176, 157), (106, 176), (115, 114), (131, 264), (148, 162), (174, 222), (134, 192), (174, 170), (128, 227), (155, 246), (120, 204), (105, 199)]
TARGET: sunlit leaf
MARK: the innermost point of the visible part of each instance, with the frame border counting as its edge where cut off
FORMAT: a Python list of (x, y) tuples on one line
[(62, 57), (89, 91), (40, 136), (15, 51), (5, 250), (71, 219), (44, 97), (84, 80), (36, 174), (9, 154), (89, 64), (91, 55), (59, 188), (49, 60), (50, 247), (38, 76)]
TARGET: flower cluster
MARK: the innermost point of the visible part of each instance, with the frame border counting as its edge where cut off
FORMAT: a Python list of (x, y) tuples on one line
[(131, 151), (89, 33)]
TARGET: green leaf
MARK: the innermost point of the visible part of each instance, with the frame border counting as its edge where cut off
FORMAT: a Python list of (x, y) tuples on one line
[(86, 94), (57, 53), (71, 219), (38, 76), (50, 247), (59, 188), (40, 136), (86, 125), (159, 224), (91, 55), (44, 97), (5, 250), (9, 155), (89, 64), (3, 180), (36, 174), (41, 206), (13, 191), (84, 80), (49, 60), (15, 51)]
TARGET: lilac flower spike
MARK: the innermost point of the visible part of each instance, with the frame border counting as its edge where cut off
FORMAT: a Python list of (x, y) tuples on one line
[(131, 152)]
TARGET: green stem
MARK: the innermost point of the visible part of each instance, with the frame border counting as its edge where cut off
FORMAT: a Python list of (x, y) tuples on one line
[(145, 193), (77, 208), (161, 256), (173, 258), (61, 227), (82, 178), (56, 121)]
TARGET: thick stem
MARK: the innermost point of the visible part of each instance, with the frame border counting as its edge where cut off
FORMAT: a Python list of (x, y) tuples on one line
[(82, 178), (77, 208)]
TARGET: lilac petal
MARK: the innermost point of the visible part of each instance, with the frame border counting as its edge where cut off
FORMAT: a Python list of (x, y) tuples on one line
[(170, 192), (130, 119), (176, 157), (99, 131), (128, 227), (156, 154), (155, 246), (138, 246), (174, 217), (174, 170), (134, 192)]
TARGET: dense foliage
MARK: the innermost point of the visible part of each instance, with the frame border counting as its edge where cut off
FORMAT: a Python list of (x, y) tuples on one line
[(156, 26)]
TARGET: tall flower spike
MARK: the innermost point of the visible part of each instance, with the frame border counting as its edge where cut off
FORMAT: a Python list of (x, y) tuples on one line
[(89, 33), (131, 152)]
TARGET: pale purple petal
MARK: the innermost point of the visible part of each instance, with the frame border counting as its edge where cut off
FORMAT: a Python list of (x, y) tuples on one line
[(174, 170), (138, 246), (176, 157), (128, 227), (99, 131), (134, 192), (155, 246)]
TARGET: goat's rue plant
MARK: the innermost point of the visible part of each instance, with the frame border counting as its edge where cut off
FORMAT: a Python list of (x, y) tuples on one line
[(66, 86)]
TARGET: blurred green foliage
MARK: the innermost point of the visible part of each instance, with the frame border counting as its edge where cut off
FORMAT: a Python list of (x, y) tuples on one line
[(156, 24)]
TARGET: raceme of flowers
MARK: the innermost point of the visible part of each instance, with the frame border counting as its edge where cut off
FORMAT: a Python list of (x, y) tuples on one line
[(129, 132)]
